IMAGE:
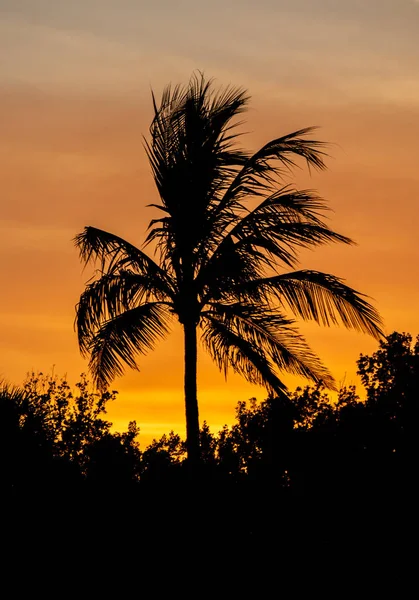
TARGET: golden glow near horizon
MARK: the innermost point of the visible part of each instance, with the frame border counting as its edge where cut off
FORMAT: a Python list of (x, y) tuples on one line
[(75, 102)]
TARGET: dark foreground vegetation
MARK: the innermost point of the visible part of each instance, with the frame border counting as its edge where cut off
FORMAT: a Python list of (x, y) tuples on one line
[(300, 467)]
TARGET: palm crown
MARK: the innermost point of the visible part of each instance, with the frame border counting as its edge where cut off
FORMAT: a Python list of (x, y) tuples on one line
[(227, 241)]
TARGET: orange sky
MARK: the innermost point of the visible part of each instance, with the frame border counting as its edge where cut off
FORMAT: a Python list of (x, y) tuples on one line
[(75, 83)]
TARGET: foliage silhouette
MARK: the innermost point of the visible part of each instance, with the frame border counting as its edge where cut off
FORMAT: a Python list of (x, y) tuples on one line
[(29, 462), (391, 378), (228, 230), (163, 458), (311, 446), (52, 437), (302, 470)]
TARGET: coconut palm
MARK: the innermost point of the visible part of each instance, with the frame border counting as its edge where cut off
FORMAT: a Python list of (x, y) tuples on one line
[(226, 241)]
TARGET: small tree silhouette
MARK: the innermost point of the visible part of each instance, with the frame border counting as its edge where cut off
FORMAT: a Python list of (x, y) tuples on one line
[(227, 229)]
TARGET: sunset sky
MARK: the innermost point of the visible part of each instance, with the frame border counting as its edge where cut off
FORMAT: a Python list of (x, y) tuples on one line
[(75, 80)]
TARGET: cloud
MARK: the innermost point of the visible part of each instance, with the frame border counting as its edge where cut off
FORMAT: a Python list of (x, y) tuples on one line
[(351, 48)]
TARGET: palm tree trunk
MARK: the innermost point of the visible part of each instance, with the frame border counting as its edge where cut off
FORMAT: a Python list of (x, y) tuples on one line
[(191, 400)]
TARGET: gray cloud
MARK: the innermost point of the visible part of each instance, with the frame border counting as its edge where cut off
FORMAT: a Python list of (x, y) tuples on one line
[(344, 50)]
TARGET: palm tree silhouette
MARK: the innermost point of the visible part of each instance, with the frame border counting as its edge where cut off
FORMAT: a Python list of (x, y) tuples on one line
[(226, 241)]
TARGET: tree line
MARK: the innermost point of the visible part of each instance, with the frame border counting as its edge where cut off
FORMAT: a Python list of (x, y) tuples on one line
[(304, 443)]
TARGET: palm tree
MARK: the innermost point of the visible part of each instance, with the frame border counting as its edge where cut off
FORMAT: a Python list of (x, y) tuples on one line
[(226, 241)]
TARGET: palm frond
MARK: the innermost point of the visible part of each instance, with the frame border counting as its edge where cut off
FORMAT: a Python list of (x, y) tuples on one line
[(280, 226), (115, 254), (228, 349), (193, 157), (108, 297), (119, 339), (317, 296), (273, 335), (259, 176), (11, 393)]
